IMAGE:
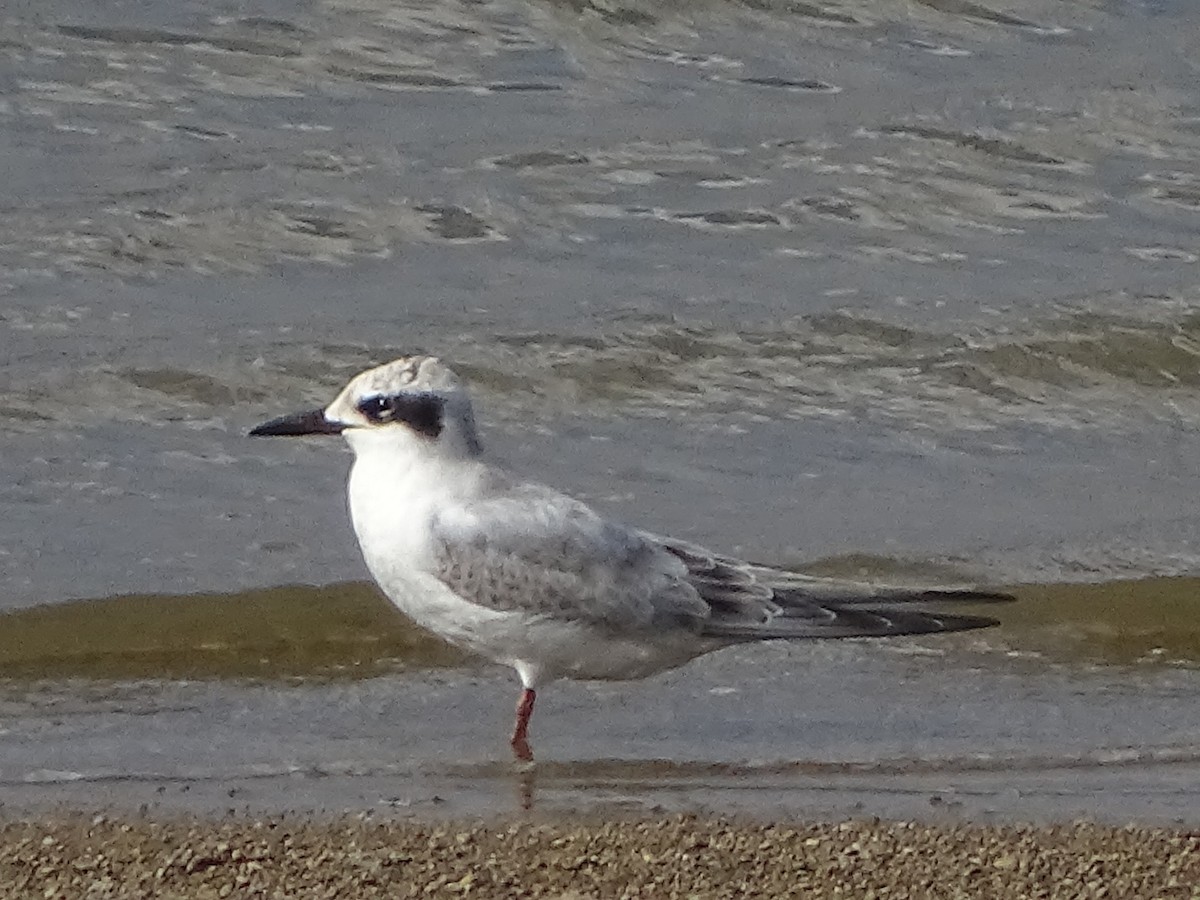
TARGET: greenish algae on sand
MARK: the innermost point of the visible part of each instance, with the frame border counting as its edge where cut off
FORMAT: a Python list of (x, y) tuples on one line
[(349, 630), (1114, 622), (344, 630)]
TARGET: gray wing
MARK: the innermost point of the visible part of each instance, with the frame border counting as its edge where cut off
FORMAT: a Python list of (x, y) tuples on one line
[(534, 551), (748, 602)]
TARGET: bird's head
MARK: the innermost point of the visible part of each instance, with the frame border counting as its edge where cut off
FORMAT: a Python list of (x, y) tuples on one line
[(415, 402)]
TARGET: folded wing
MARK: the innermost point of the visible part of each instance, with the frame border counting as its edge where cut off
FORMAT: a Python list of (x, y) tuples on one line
[(748, 602), (536, 552)]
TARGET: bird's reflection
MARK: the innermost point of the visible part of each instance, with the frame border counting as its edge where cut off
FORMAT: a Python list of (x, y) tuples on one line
[(526, 783)]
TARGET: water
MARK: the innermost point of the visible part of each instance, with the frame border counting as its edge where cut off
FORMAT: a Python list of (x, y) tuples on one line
[(946, 729), (895, 289)]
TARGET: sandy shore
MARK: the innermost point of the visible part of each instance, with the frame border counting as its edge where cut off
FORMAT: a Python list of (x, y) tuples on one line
[(678, 857)]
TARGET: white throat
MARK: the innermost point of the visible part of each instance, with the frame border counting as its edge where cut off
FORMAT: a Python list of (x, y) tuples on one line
[(397, 483)]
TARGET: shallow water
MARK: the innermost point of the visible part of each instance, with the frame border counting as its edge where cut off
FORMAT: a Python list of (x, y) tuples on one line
[(942, 729), (325, 700), (881, 288)]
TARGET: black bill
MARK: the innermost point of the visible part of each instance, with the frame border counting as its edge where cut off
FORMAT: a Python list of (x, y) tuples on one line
[(313, 422)]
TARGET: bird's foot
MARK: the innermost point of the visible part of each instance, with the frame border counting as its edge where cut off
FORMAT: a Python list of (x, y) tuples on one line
[(520, 735), (521, 749)]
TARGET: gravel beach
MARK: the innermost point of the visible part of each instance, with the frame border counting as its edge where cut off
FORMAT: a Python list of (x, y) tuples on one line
[(677, 857)]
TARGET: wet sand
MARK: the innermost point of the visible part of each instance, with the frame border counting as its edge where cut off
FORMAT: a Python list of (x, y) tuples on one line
[(677, 857), (1080, 706)]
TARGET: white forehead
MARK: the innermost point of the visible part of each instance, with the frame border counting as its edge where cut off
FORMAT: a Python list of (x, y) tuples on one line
[(409, 373)]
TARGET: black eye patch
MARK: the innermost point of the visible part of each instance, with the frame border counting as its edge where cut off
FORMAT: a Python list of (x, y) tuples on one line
[(420, 412), (377, 409)]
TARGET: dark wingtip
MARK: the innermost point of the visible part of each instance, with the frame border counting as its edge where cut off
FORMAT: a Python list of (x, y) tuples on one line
[(311, 422)]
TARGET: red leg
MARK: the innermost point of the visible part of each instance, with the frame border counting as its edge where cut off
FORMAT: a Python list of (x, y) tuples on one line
[(520, 735)]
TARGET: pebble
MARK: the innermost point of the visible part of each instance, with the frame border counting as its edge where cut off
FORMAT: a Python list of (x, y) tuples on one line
[(680, 857)]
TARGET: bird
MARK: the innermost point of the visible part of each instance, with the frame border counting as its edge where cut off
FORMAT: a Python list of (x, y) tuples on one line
[(531, 578)]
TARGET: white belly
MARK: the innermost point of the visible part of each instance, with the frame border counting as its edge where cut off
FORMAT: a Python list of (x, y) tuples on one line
[(540, 649)]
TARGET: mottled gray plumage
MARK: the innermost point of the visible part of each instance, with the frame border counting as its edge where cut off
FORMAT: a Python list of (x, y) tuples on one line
[(526, 548)]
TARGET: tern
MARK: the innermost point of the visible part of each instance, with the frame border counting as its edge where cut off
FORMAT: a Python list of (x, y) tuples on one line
[(533, 579)]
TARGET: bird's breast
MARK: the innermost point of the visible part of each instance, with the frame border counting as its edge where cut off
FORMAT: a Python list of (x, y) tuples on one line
[(392, 512)]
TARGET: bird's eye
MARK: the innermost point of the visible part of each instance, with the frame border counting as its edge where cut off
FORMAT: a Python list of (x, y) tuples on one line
[(375, 408)]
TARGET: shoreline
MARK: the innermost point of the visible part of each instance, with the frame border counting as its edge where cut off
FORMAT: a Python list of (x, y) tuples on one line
[(73, 855)]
